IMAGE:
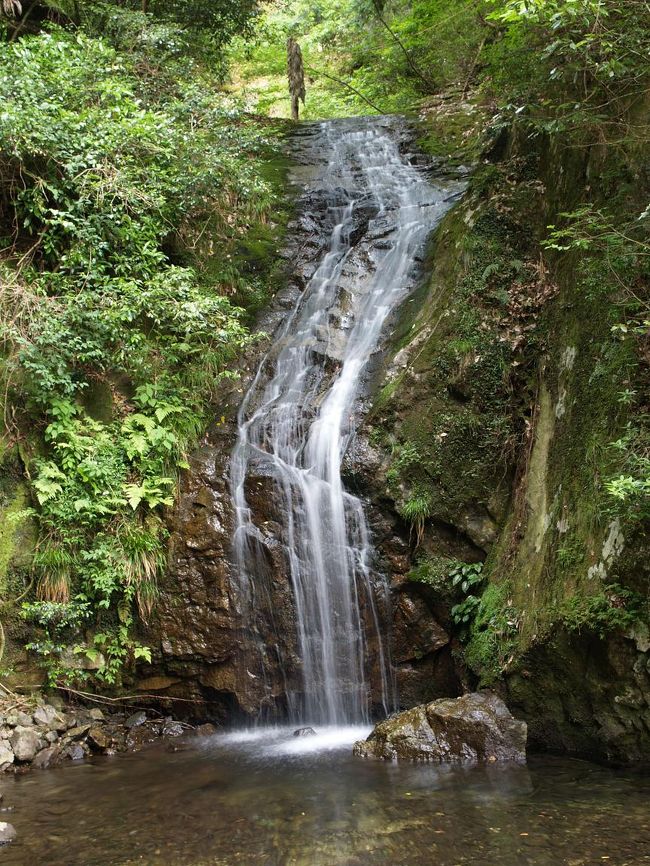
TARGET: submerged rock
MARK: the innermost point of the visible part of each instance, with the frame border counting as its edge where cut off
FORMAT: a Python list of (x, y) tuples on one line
[(474, 727), (7, 832), (304, 732)]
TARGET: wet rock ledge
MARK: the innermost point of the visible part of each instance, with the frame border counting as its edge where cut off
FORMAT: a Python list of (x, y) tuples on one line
[(475, 727), (44, 734)]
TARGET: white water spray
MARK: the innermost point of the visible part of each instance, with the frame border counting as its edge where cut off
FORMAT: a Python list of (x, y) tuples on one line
[(297, 418)]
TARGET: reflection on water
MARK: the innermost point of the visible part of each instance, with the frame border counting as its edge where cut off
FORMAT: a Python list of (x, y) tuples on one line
[(271, 799)]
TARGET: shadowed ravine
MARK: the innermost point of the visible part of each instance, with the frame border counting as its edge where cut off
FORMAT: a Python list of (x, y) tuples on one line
[(298, 417)]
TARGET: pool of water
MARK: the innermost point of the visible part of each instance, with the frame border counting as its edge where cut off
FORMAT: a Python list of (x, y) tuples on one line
[(272, 799)]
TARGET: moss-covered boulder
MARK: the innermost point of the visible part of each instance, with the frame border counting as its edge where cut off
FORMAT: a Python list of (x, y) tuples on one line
[(474, 727)]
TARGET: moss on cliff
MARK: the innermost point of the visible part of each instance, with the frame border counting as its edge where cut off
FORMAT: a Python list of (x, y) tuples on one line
[(509, 404)]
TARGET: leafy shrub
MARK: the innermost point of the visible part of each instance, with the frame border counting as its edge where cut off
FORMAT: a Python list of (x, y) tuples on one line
[(613, 609), (122, 209)]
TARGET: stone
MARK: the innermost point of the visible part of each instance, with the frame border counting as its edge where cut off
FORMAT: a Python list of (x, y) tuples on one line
[(206, 730), (135, 720), (46, 757), (78, 732), (96, 714), (51, 737), (48, 717), (140, 736), (474, 727), (6, 756), (7, 832), (61, 723), (172, 729), (99, 738), (25, 742), (75, 752), (304, 732), (416, 632)]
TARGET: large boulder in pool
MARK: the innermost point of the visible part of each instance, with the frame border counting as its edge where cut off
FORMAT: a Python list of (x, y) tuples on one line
[(474, 727)]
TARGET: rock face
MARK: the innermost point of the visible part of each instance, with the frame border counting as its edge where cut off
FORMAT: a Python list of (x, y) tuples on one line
[(235, 661), (471, 728)]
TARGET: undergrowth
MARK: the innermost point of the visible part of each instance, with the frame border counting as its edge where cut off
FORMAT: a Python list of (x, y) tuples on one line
[(128, 185)]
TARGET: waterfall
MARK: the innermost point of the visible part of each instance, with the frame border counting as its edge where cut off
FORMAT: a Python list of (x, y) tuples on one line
[(298, 417)]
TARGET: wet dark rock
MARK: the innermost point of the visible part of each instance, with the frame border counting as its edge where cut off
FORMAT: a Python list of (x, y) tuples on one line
[(585, 695), (304, 732), (434, 675), (416, 631), (471, 728), (206, 730), (136, 719), (7, 832)]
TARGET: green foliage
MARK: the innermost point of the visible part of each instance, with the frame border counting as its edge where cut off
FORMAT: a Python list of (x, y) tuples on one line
[(59, 624), (613, 609), (126, 195), (416, 509), (629, 491), (403, 456), (493, 630), (433, 571), (467, 577), (353, 63), (464, 612), (573, 66)]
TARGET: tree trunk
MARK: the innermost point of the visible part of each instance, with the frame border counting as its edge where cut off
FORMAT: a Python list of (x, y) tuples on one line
[(296, 76)]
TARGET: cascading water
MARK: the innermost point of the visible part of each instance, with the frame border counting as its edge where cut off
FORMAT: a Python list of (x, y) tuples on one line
[(297, 419)]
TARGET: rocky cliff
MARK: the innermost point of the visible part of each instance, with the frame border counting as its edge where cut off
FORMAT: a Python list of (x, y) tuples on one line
[(499, 420), (487, 443)]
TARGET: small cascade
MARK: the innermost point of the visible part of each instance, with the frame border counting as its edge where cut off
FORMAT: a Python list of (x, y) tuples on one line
[(298, 418)]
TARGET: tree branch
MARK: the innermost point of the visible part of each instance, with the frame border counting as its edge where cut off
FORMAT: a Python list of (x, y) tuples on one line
[(424, 78), (345, 84)]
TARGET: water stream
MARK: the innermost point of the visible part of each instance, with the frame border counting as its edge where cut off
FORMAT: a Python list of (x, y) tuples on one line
[(298, 417)]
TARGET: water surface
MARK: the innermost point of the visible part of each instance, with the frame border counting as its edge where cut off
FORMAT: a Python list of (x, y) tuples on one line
[(269, 799)]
